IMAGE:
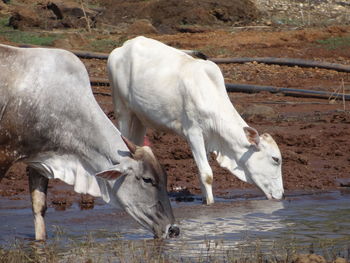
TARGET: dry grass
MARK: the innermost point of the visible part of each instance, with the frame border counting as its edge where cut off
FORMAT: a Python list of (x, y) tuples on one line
[(90, 249)]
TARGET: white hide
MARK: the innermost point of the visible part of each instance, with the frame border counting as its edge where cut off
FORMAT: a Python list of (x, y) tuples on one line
[(158, 86)]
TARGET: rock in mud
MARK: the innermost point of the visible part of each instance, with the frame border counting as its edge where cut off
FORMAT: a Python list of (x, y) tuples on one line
[(61, 203), (54, 14), (141, 26), (86, 202)]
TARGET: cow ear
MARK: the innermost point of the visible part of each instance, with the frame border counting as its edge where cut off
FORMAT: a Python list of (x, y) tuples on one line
[(109, 174), (252, 136)]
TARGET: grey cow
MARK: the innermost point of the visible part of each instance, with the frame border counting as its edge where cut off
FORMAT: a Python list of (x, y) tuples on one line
[(50, 120)]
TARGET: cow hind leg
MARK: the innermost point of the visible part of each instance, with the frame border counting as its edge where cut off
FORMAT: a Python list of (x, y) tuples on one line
[(38, 191), (196, 141), (131, 127)]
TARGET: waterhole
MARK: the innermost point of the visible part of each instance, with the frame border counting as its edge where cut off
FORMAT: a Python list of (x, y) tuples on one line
[(302, 221)]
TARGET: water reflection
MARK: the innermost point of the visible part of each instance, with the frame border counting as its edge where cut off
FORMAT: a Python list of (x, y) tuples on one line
[(229, 220), (226, 227), (300, 222)]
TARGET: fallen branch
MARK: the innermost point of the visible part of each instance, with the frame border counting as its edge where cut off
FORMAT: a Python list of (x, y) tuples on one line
[(249, 27), (247, 88), (85, 16)]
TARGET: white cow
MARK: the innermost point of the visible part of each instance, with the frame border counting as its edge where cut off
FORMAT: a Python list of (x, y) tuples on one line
[(158, 86), (50, 119)]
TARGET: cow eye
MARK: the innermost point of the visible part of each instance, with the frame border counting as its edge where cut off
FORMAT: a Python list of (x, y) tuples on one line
[(147, 180), (276, 160)]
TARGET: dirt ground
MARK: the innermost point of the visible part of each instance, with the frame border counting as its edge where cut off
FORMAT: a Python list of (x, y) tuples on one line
[(312, 133)]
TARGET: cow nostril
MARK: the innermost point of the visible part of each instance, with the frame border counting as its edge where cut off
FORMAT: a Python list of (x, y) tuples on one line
[(173, 231)]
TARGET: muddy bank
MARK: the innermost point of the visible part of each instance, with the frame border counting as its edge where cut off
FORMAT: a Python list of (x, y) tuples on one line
[(163, 16)]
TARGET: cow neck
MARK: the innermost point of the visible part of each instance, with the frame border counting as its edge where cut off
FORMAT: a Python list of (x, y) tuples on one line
[(105, 144), (92, 152), (108, 150), (228, 141)]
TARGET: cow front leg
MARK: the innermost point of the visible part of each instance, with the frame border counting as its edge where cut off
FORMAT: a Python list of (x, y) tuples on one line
[(196, 141), (38, 190)]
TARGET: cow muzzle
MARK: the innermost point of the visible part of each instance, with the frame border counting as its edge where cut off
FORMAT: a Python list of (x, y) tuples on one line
[(173, 231), (275, 197)]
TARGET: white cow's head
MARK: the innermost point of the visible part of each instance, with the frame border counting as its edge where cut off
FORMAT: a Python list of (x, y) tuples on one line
[(261, 164), (142, 191)]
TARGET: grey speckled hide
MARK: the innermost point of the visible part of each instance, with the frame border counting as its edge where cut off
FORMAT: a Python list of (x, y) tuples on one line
[(50, 119)]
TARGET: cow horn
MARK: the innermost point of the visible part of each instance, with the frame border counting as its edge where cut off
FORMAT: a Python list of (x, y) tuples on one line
[(131, 146)]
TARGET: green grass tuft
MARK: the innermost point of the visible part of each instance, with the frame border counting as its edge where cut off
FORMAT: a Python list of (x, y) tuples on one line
[(102, 45), (335, 42), (105, 45), (18, 36)]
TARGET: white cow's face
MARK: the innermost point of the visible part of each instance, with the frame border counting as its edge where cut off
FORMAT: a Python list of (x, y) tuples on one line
[(263, 166), (142, 191)]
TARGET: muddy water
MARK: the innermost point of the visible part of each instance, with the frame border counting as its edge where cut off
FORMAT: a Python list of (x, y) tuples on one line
[(302, 221)]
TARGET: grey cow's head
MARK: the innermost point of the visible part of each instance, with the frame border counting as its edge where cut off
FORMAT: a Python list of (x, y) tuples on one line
[(142, 191)]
